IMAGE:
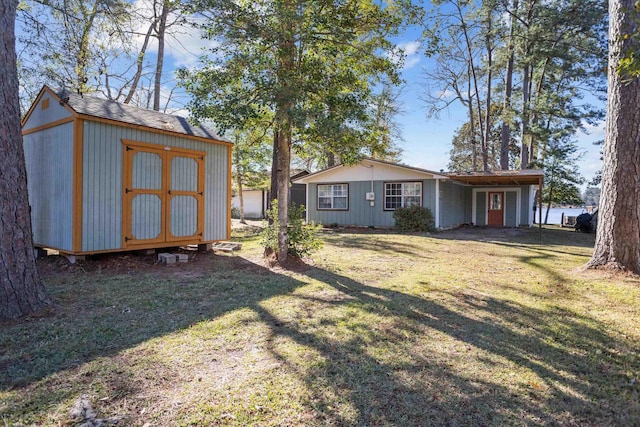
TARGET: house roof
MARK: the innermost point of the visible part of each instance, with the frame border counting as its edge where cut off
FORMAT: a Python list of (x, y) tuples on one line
[(510, 177), (92, 106), (315, 176)]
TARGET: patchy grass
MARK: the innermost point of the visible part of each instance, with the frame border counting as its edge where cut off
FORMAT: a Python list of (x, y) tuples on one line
[(464, 327)]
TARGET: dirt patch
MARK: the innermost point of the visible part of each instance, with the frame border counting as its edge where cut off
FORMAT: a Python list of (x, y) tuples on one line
[(133, 263)]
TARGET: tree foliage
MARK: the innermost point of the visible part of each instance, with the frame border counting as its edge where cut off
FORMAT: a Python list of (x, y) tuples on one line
[(312, 64), (534, 60), (251, 156), (92, 46), (303, 237), (561, 175), (591, 196)]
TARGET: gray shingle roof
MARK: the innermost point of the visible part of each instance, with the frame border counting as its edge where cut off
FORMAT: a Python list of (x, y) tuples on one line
[(112, 110)]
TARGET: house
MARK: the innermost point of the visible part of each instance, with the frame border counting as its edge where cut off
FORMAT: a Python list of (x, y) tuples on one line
[(106, 177), (256, 200), (367, 193)]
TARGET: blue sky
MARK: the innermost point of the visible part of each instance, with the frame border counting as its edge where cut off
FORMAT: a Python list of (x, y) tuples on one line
[(426, 141)]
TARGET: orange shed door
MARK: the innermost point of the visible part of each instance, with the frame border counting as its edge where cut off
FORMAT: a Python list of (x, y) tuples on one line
[(163, 195)]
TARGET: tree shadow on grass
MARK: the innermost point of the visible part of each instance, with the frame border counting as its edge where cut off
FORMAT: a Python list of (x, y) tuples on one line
[(389, 372), (547, 236), (568, 352), (98, 314)]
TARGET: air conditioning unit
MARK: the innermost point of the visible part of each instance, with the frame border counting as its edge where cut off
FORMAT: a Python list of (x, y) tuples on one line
[(370, 196)]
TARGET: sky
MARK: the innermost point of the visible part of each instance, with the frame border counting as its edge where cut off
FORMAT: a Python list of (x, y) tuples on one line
[(426, 141)]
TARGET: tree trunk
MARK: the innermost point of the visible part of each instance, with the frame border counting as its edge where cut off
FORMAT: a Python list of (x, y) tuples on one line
[(82, 58), (283, 173), (273, 190), (524, 149), (487, 120), (476, 95), (241, 199), (331, 159), (21, 291), (162, 26), (546, 215), (618, 234), (505, 134), (139, 64), (472, 126)]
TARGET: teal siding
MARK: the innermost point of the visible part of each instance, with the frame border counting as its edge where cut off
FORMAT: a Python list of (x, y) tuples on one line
[(49, 163), (481, 208), (455, 204), (102, 184), (468, 205), (360, 212), (510, 207)]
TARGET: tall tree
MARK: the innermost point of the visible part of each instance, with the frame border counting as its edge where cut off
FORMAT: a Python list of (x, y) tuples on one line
[(251, 156), (533, 59), (21, 290), (283, 56), (618, 235), (460, 47), (67, 41), (561, 174)]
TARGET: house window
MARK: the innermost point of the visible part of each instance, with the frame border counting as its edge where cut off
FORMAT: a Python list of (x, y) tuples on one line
[(333, 196), (402, 195)]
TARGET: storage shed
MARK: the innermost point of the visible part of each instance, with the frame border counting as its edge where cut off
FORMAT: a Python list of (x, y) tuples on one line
[(107, 177)]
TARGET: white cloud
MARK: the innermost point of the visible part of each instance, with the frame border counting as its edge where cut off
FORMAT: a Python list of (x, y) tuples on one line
[(595, 131), (408, 51), (445, 94), (183, 43)]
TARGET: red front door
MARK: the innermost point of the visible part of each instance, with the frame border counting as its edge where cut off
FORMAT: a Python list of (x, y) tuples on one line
[(495, 213)]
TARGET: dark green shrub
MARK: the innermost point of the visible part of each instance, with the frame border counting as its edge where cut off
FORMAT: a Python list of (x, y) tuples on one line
[(302, 237), (414, 218)]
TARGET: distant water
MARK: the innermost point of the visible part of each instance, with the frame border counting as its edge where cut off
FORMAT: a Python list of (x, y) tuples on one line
[(555, 214)]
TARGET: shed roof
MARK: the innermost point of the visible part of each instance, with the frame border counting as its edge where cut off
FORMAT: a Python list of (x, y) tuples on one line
[(88, 105), (509, 177)]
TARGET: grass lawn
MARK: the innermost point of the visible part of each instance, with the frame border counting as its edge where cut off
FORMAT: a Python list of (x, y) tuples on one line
[(469, 327)]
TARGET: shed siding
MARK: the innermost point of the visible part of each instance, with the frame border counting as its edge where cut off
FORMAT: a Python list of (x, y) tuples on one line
[(102, 184), (360, 212), (49, 163), (40, 117), (510, 207), (455, 200)]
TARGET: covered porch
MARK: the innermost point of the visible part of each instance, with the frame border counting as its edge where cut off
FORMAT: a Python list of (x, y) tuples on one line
[(504, 198)]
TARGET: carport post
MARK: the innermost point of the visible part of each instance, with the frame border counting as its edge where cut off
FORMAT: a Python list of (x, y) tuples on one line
[(540, 204)]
